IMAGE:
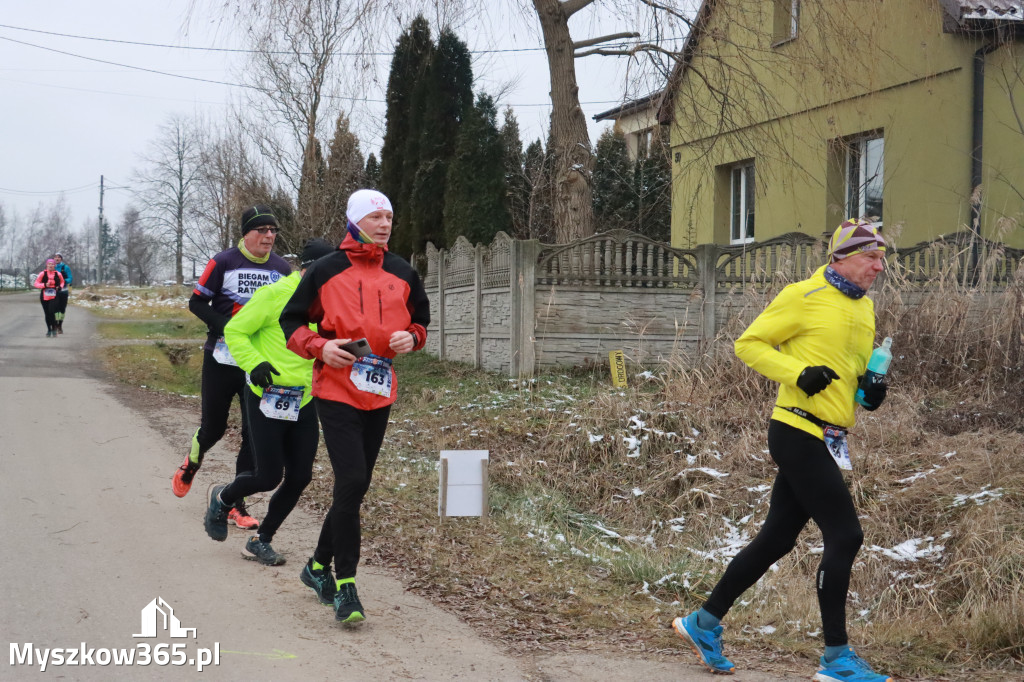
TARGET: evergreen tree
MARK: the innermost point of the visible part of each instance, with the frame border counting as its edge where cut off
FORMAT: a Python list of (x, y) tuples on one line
[(653, 183), (537, 171), (372, 172), (345, 175), (517, 197), (312, 200), (615, 199), (108, 248), (475, 198), (408, 67), (446, 95)]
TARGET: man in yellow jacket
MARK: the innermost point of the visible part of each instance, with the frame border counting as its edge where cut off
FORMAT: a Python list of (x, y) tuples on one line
[(814, 339), (281, 419)]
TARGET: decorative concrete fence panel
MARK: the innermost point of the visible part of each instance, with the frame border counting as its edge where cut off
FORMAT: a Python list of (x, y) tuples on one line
[(515, 305)]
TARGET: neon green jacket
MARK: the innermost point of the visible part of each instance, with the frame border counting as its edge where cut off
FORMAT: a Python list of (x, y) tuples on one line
[(811, 323), (254, 335)]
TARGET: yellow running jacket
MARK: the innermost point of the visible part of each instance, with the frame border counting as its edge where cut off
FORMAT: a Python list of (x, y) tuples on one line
[(811, 323)]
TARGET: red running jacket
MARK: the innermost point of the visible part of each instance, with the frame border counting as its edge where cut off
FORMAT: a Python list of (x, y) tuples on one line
[(360, 290)]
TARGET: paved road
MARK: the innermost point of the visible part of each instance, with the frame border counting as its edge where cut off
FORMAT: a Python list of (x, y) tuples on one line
[(92, 536)]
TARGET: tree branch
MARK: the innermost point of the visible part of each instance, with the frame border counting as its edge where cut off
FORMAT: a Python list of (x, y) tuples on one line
[(571, 7), (604, 39)]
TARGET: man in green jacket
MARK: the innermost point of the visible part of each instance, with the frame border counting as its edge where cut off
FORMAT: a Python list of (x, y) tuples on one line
[(282, 420)]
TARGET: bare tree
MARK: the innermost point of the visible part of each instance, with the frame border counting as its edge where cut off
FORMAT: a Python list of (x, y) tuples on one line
[(139, 248), (170, 183)]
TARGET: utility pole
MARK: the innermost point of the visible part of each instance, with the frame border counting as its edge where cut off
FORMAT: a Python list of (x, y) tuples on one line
[(99, 247)]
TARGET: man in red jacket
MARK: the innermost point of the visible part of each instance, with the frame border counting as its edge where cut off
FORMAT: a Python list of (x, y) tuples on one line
[(360, 291)]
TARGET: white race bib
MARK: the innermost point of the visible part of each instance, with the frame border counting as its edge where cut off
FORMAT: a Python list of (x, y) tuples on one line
[(222, 355), (835, 441), (282, 402), (372, 374), (49, 292)]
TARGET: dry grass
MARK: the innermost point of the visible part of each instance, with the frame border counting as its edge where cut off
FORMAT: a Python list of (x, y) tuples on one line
[(601, 542)]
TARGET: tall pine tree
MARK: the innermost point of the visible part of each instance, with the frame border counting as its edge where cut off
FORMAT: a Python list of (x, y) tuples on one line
[(372, 172), (446, 95), (517, 191), (540, 214), (614, 192), (475, 198), (344, 175), (408, 66)]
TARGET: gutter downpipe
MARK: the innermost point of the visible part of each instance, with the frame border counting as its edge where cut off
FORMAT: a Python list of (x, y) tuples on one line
[(977, 145)]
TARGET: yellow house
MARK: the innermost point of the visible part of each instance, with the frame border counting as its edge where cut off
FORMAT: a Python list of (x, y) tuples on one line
[(791, 115)]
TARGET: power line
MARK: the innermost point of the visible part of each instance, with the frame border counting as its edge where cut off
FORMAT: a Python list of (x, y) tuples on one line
[(240, 50), (54, 191), (235, 85)]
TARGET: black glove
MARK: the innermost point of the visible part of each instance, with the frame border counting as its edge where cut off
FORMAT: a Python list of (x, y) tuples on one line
[(874, 392), (815, 379), (260, 375)]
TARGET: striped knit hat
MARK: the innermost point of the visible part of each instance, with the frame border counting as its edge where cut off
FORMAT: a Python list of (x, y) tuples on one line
[(854, 236)]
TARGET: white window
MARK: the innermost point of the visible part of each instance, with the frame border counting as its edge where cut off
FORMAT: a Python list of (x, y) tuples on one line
[(741, 203), (865, 166), (786, 21)]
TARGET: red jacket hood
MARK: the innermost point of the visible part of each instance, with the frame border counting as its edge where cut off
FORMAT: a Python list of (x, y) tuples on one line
[(357, 250)]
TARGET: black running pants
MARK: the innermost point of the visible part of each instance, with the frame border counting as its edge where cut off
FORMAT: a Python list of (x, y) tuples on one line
[(221, 383), (49, 312), (353, 438), (62, 301), (809, 485), (283, 450)]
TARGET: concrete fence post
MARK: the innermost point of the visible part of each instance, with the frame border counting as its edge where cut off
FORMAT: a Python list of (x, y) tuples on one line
[(707, 260), (478, 312), (442, 284), (523, 321)]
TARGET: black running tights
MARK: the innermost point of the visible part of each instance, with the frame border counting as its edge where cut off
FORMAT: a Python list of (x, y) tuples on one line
[(221, 383), (283, 450), (809, 485), (353, 438)]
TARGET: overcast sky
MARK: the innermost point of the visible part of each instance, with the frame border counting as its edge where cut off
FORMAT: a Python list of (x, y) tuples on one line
[(68, 119)]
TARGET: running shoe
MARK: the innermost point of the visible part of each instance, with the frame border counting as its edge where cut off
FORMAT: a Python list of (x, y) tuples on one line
[(182, 481), (240, 517), (848, 667), (262, 552), (347, 607), (320, 581), (216, 519), (707, 644)]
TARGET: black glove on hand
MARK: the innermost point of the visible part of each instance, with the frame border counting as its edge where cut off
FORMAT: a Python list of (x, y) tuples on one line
[(260, 375), (815, 379), (874, 392)]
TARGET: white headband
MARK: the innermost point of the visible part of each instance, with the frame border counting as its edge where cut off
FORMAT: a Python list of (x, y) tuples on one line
[(366, 201)]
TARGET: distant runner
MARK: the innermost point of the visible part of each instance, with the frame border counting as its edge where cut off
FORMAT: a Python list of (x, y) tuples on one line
[(62, 295), (229, 280), (50, 281)]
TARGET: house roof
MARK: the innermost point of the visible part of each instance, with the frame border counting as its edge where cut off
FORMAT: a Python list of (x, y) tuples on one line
[(963, 11), (959, 16), (632, 106)]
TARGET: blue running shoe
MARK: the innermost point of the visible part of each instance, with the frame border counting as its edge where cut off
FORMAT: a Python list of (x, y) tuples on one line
[(707, 644), (216, 519), (848, 667)]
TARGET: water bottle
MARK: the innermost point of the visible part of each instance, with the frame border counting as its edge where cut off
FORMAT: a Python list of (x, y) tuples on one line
[(878, 365)]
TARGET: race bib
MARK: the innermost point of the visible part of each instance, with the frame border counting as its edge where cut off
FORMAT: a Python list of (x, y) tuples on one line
[(282, 402), (835, 441), (372, 374), (221, 353), (49, 292)]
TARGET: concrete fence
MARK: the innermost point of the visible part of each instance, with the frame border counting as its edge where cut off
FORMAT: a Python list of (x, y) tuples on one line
[(516, 305)]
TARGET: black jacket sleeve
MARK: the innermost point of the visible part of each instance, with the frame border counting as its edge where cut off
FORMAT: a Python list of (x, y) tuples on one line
[(201, 308)]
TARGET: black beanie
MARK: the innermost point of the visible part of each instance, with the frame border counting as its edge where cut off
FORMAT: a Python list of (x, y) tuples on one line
[(257, 215), (314, 248)]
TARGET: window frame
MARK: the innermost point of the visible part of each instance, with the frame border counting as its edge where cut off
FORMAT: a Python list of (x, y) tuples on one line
[(786, 21), (744, 218), (855, 180)]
